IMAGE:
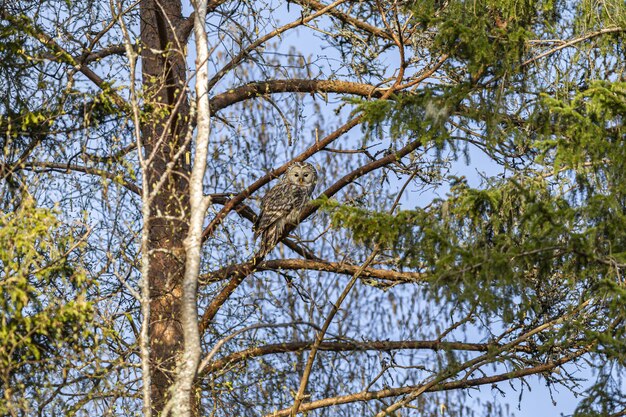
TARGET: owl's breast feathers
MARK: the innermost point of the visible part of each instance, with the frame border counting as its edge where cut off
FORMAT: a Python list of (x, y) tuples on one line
[(282, 204)]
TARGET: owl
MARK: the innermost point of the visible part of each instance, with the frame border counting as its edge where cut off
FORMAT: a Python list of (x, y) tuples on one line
[(283, 204)]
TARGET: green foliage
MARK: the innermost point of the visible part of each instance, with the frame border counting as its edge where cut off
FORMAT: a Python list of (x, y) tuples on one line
[(487, 36), (594, 15), (44, 312), (603, 397), (371, 227), (588, 128), (516, 248), (416, 115), (548, 235), (27, 123)]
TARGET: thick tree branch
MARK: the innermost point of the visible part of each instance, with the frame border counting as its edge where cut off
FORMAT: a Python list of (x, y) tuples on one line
[(184, 31), (358, 173), (103, 53), (226, 291), (318, 265), (261, 88), (381, 346), (460, 384)]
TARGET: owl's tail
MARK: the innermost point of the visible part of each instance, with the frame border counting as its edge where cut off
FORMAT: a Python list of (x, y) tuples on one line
[(269, 239)]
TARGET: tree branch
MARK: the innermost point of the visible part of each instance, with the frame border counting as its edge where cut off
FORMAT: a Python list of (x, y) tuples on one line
[(318, 145), (263, 39), (103, 53), (184, 31), (394, 392), (346, 18), (247, 213), (250, 266), (59, 53), (572, 42), (239, 198), (358, 173), (318, 265), (53, 166), (352, 346), (226, 291), (260, 88)]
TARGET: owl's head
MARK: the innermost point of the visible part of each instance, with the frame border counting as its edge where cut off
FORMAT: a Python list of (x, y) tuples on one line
[(301, 173)]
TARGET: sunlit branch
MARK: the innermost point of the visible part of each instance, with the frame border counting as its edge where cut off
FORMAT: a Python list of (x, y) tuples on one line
[(263, 39), (488, 358), (321, 333), (394, 392), (256, 89), (247, 213), (185, 29), (208, 360), (352, 346), (319, 265), (103, 53), (347, 18), (249, 267), (239, 198)]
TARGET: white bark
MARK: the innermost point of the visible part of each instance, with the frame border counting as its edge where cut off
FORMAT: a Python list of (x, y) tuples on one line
[(180, 403), (144, 294)]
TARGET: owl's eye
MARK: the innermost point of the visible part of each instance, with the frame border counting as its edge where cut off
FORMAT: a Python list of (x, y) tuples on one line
[(296, 175), (306, 175)]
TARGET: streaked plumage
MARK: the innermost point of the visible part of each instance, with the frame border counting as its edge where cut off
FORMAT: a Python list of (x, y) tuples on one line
[(283, 203)]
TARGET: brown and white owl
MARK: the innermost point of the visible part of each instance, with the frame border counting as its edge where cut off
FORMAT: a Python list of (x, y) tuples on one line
[(283, 204)]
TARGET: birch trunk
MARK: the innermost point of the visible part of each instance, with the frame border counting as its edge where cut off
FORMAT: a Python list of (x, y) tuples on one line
[(181, 402)]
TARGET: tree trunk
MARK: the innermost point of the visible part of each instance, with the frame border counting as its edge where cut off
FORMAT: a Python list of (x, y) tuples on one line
[(163, 67)]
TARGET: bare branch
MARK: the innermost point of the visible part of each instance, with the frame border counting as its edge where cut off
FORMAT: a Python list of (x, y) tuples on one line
[(346, 18), (394, 392), (68, 168), (239, 198), (263, 39), (351, 346), (256, 89), (247, 213), (319, 337), (103, 53), (318, 265), (59, 54), (184, 31), (573, 42)]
